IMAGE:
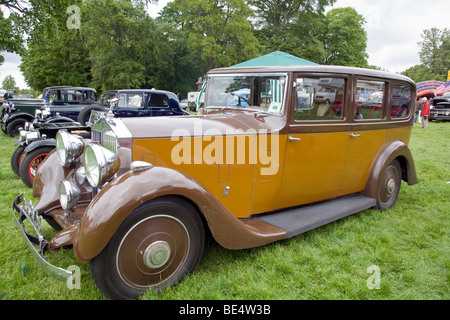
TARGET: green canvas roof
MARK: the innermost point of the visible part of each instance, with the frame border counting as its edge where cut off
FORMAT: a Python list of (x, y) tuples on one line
[(276, 58)]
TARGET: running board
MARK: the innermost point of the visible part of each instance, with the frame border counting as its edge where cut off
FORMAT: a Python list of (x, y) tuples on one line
[(300, 220)]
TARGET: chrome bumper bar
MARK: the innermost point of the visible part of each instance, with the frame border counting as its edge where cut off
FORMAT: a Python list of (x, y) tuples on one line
[(26, 212)]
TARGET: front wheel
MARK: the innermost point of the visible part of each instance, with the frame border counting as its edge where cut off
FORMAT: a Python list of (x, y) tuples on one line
[(16, 158), (30, 163), (389, 186), (155, 247)]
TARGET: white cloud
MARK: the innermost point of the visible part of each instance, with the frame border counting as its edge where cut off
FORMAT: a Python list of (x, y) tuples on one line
[(11, 67), (394, 28)]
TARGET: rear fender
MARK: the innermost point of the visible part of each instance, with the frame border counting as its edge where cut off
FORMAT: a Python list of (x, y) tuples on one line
[(108, 210), (394, 150)]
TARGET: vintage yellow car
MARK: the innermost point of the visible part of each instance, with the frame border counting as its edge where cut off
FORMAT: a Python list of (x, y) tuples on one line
[(263, 161)]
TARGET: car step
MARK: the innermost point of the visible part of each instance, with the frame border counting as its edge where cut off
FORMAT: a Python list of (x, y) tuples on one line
[(300, 220)]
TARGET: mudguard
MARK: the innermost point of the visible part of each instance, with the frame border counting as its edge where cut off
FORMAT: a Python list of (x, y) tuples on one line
[(40, 143), (24, 115), (108, 210), (393, 150), (58, 119), (19, 143)]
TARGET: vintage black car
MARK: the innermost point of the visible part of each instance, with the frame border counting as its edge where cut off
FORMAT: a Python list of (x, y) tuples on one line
[(440, 110), (60, 104)]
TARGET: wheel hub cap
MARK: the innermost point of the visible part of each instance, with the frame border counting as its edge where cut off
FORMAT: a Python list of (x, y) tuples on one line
[(390, 186), (157, 254)]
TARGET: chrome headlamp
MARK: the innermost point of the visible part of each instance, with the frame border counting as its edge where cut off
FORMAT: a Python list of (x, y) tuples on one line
[(69, 194), (100, 164), (68, 148)]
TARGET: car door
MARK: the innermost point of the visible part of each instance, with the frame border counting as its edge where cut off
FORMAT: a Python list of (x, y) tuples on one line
[(368, 132), (131, 104), (316, 145), (70, 105)]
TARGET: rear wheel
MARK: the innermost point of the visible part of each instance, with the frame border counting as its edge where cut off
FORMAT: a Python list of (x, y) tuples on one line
[(155, 247), (389, 186)]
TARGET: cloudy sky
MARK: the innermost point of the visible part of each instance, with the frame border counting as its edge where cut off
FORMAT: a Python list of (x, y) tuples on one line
[(394, 27)]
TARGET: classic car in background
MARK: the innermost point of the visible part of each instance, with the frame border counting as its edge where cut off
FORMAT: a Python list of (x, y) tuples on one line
[(136, 200), (60, 104), (37, 139), (440, 109)]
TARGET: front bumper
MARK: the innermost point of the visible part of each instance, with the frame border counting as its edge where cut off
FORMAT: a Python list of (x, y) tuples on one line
[(27, 212)]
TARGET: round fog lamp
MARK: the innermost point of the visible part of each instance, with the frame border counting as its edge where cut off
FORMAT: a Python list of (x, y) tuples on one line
[(69, 194), (68, 148)]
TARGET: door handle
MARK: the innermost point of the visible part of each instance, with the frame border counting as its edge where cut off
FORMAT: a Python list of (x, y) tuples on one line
[(294, 139), (355, 135)]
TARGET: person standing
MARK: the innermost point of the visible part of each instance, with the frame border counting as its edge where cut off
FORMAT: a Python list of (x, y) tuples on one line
[(419, 104), (425, 113)]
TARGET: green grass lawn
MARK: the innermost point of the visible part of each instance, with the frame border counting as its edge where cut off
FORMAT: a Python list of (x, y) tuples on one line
[(408, 245)]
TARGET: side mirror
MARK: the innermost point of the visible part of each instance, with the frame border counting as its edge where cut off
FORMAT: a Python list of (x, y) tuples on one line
[(298, 84)]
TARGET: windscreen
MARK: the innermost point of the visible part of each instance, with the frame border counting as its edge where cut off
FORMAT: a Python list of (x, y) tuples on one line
[(262, 92)]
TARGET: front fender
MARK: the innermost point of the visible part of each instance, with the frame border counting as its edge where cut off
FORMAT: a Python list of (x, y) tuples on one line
[(40, 143), (18, 115), (394, 150), (114, 203)]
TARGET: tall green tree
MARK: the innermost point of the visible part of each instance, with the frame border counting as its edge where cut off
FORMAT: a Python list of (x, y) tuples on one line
[(56, 54), (9, 82), (122, 41), (434, 56), (435, 51), (292, 26), (217, 31), (345, 38)]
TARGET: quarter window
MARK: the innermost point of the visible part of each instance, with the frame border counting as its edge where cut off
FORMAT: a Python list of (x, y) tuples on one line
[(319, 99), (370, 97), (401, 101)]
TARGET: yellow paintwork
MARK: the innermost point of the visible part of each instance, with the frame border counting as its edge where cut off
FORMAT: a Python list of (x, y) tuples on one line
[(237, 181), (319, 166)]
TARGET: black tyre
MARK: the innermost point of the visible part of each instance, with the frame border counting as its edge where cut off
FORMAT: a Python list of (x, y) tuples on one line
[(389, 186), (30, 163), (16, 158), (155, 247), (84, 115), (14, 126)]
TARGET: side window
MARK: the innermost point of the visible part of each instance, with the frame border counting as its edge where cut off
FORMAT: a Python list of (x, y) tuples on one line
[(158, 101), (74, 95), (369, 100), (129, 100), (401, 101), (319, 99)]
